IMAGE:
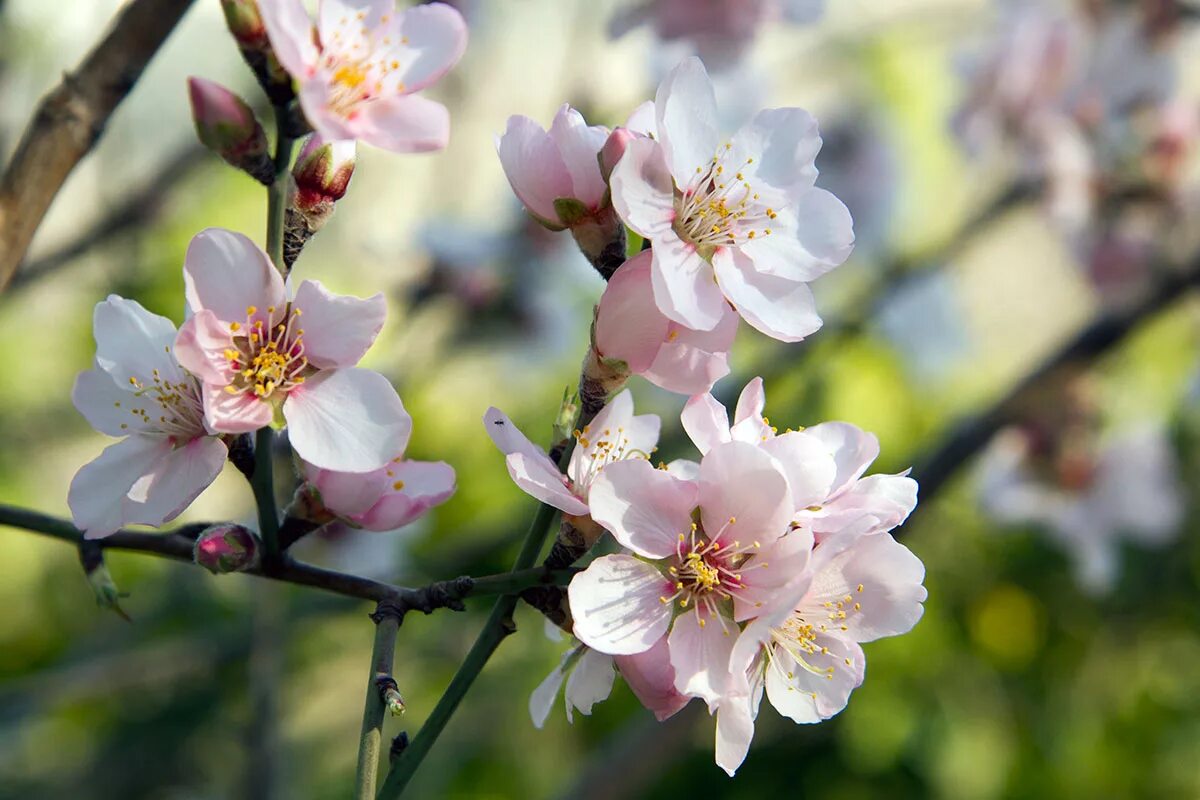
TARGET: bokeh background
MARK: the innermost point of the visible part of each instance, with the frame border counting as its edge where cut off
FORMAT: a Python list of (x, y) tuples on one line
[(1022, 680)]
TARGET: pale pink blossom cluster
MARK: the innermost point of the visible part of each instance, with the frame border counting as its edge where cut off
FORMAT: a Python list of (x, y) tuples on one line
[(361, 65), (736, 226), (763, 566), (250, 354)]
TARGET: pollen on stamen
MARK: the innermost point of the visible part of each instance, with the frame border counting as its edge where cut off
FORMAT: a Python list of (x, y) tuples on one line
[(398, 485)]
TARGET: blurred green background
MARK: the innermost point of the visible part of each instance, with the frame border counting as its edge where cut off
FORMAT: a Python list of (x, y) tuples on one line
[(1015, 684)]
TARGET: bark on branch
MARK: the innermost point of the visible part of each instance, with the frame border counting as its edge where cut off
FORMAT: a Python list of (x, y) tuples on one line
[(70, 119)]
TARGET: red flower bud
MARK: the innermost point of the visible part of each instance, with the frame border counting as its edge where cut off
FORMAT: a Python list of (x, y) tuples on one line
[(226, 548)]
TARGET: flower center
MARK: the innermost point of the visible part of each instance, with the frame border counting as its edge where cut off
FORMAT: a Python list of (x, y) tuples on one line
[(180, 413), (707, 571), (720, 208), (599, 452), (267, 354), (799, 638)]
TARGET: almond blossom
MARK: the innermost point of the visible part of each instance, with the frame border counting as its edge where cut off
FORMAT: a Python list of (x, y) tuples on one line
[(362, 63), (588, 675), (825, 463), (804, 649), (615, 435), (630, 328), (706, 542), (386, 499), (138, 391), (739, 221), (255, 358)]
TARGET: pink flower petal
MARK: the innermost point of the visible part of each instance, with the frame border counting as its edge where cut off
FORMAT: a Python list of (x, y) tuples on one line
[(744, 495), (234, 413), (770, 577), (780, 308), (809, 467), (133, 343), (338, 329), (99, 493), (853, 450), (686, 107), (645, 509), (629, 325), (705, 421), (692, 361), (803, 697), (539, 477), (104, 404), (616, 605), (437, 34), (590, 682), (348, 493), (406, 124), (413, 488), (735, 730), (643, 190), (580, 147), (700, 646), (890, 576), (784, 143), (201, 345), (291, 33), (534, 167), (225, 272), (652, 680), (350, 420), (751, 402), (684, 288), (176, 480)]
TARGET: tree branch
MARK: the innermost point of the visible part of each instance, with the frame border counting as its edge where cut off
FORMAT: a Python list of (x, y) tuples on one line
[(178, 546), (70, 119), (971, 435)]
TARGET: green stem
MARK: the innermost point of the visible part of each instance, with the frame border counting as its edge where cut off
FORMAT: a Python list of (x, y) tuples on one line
[(263, 483), (371, 738), (499, 625), (277, 191)]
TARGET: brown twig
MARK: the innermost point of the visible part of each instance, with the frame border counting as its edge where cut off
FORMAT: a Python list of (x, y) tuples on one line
[(70, 119)]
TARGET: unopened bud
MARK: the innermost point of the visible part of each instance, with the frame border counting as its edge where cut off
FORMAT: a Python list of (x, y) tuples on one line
[(389, 693), (614, 148), (568, 414), (244, 21), (319, 179), (227, 126), (246, 24), (100, 579), (226, 548)]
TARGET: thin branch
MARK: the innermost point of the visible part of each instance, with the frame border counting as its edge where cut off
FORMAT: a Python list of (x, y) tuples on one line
[(178, 546), (499, 625), (387, 624), (1106, 332), (70, 119)]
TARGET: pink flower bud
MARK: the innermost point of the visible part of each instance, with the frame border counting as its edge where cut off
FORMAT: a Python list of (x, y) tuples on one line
[(614, 148), (226, 548), (244, 22), (227, 126), (323, 169)]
